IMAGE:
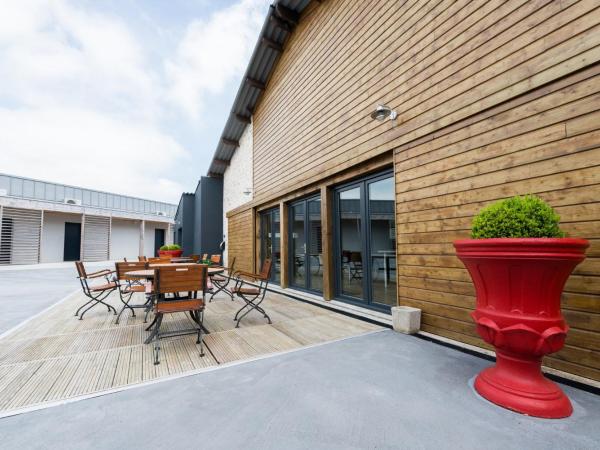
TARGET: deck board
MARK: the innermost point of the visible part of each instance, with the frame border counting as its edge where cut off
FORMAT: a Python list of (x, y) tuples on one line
[(57, 356)]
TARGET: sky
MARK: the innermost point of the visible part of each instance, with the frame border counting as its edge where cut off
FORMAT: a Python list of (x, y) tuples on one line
[(125, 96)]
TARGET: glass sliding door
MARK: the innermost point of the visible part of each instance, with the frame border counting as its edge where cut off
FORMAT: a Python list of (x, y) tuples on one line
[(382, 241), (314, 245), (276, 227), (365, 242), (298, 245), (305, 252), (350, 225), (270, 241)]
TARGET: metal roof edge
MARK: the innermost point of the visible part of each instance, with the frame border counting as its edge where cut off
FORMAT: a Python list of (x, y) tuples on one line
[(274, 26)]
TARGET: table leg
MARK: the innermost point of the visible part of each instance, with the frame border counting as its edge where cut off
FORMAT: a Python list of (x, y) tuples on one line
[(385, 271)]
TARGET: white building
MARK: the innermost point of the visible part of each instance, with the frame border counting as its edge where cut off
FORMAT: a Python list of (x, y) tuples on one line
[(47, 222), (237, 179)]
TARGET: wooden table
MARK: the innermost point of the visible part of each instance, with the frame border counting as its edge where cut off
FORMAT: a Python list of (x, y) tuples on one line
[(149, 273), (387, 255), (181, 260), (171, 264)]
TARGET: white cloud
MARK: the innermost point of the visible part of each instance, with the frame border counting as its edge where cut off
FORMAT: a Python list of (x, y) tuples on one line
[(92, 150), (81, 101), (53, 54), (212, 53)]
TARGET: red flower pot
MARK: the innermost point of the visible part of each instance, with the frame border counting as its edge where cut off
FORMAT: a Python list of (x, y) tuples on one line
[(518, 284), (171, 253)]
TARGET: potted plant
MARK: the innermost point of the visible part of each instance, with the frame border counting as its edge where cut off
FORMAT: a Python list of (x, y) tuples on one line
[(173, 250), (519, 261)]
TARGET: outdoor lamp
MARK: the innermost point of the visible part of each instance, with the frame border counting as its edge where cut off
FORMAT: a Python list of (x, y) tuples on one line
[(247, 191), (383, 112)]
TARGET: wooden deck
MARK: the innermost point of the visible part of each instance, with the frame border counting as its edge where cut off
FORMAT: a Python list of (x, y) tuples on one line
[(56, 356)]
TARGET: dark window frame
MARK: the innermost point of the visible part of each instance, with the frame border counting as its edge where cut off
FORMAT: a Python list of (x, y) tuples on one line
[(362, 182), (271, 213), (290, 259)]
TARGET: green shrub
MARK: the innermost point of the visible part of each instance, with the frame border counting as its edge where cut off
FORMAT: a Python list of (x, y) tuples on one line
[(517, 217), (170, 247)]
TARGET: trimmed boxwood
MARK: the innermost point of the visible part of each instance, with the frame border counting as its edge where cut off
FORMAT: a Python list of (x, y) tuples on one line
[(517, 217), (170, 247)]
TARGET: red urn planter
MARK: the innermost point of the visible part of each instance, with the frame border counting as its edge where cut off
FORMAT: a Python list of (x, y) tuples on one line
[(518, 283), (171, 253)]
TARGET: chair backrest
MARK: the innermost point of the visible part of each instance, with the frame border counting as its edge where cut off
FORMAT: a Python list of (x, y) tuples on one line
[(204, 256), (80, 269), (265, 270), (161, 260), (177, 278), (356, 257), (232, 265), (195, 258), (142, 259), (215, 259), (123, 267), (346, 256)]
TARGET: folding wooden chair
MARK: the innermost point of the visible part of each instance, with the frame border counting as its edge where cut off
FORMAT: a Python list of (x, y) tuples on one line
[(221, 281), (195, 258), (169, 283), (160, 260), (215, 259), (252, 294), (142, 259), (96, 294), (130, 285), (356, 266)]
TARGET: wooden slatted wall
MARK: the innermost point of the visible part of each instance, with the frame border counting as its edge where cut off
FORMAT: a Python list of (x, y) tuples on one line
[(547, 143), (436, 62), (494, 98), (241, 239)]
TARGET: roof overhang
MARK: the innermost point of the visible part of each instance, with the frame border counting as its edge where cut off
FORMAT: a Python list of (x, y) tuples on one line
[(282, 18)]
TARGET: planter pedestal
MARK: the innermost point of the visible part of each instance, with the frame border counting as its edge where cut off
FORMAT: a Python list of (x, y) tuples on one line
[(518, 283), (518, 384)]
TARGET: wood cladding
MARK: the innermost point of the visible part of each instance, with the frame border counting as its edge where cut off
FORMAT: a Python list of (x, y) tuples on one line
[(494, 99), (435, 62), (240, 242), (549, 146)]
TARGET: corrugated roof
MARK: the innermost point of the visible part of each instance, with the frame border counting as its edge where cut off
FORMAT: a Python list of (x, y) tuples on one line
[(279, 24)]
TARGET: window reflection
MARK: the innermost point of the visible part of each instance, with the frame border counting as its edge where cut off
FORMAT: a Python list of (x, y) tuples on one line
[(351, 242), (382, 241)]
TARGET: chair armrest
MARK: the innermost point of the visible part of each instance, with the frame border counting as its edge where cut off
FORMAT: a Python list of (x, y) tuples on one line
[(100, 273), (254, 276)]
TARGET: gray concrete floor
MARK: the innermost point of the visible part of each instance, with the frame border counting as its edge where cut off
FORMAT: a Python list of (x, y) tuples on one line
[(27, 290), (383, 390)]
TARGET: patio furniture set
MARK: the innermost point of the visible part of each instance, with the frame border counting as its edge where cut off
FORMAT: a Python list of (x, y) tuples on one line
[(174, 285)]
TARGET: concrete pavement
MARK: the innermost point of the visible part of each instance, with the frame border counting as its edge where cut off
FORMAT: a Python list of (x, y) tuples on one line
[(383, 390), (28, 290)]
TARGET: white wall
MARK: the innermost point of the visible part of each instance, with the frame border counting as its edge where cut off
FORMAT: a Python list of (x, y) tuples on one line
[(53, 235), (125, 239), (237, 178), (149, 237)]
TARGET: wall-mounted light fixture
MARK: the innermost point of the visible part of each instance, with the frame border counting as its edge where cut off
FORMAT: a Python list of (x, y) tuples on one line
[(247, 191), (383, 112)]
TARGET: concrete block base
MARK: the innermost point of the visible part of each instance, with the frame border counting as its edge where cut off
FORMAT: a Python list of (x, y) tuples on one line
[(406, 319)]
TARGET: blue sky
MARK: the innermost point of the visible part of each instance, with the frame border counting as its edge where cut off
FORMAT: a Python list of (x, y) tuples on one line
[(128, 96)]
